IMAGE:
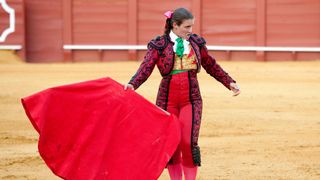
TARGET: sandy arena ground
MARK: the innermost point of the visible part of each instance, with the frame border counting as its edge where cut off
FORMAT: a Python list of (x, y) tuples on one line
[(270, 131)]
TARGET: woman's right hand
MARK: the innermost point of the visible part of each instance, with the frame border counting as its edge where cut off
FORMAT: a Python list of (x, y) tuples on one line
[(126, 86), (235, 88)]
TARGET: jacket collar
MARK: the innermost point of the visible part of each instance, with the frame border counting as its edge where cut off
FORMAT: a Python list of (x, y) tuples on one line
[(173, 38)]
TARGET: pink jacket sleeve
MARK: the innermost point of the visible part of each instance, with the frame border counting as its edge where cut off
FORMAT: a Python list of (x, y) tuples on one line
[(213, 68), (146, 68)]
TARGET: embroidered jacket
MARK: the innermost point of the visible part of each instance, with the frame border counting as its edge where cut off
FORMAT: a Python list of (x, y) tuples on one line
[(160, 52)]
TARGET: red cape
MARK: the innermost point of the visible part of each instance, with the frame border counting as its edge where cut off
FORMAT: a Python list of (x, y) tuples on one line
[(96, 130)]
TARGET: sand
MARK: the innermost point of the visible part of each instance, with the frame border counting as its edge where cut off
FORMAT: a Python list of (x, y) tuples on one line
[(270, 131)]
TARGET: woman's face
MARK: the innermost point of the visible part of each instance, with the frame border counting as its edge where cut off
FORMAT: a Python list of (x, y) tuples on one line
[(185, 28)]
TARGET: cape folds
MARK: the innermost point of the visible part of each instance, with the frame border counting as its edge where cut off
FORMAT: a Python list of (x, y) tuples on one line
[(97, 130)]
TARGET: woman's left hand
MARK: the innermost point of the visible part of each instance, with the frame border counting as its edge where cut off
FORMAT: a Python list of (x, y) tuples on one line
[(235, 89)]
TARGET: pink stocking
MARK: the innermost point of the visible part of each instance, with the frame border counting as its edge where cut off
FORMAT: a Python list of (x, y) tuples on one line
[(175, 171), (190, 173)]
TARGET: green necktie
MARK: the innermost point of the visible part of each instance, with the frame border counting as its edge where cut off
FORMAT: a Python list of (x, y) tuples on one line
[(180, 47)]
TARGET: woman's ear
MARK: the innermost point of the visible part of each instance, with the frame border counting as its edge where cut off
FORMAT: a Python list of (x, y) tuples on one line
[(174, 25)]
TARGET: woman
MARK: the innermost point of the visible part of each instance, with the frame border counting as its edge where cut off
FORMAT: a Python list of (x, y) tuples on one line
[(179, 54)]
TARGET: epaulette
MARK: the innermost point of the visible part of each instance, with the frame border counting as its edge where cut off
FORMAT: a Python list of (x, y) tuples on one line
[(198, 39), (159, 43)]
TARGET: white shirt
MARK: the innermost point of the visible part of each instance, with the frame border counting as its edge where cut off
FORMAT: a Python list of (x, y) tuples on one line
[(186, 43)]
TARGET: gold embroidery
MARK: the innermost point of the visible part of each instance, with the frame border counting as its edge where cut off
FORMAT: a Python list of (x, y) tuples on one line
[(187, 62)]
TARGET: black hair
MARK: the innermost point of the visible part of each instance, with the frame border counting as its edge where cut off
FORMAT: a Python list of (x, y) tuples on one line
[(178, 16)]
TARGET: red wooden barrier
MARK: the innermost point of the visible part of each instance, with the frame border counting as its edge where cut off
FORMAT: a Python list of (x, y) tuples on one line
[(16, 38), (52, 24)]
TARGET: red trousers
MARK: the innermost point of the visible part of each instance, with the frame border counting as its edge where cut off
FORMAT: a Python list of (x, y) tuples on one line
[(179, 104)]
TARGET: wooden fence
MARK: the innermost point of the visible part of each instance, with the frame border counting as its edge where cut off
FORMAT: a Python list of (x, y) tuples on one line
[(234, 29)]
